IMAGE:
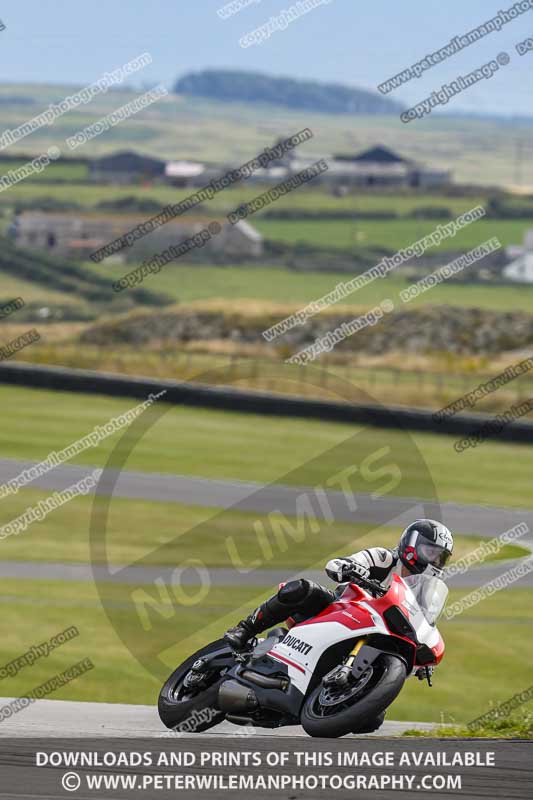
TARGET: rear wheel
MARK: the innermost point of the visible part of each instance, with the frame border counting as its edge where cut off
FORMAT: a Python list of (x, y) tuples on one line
[(331, 712), (195, 709)]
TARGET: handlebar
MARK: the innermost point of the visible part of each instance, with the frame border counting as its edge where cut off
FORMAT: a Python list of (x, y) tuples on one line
[(374, 587)]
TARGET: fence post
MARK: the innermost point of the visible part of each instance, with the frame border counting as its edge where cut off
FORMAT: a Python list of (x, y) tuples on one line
[(324, 374)]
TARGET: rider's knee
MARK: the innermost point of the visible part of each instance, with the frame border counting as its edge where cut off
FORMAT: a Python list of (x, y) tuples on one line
[(294, 592)]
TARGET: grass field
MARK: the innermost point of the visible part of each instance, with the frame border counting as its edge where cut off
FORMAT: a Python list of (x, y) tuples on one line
[(265, 449), (30, 291), (305, 199), (54, 172), (488, 648), (391, 234), (192, 282)]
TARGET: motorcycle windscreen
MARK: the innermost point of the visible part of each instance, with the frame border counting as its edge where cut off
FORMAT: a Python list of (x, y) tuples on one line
[(431, 594)]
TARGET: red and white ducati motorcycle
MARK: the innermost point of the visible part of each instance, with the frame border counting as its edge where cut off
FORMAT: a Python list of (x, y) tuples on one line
[(334, 674)]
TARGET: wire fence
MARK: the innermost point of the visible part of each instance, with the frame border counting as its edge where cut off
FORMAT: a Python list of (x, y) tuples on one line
[(387, 385)]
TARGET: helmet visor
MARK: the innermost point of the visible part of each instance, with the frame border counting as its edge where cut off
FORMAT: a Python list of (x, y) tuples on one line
[(433, 554)]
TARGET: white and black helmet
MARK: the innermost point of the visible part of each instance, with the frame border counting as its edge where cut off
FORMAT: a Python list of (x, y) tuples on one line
[(425, 542)]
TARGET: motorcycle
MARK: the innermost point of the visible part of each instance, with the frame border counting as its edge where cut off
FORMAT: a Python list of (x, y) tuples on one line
[(335, 673)]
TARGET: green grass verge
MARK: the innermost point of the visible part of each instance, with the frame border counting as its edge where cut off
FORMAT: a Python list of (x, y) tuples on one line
[(216, 444), (515, 726), (40, 609)]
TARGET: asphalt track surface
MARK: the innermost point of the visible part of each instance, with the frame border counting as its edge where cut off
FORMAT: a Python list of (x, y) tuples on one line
[(218, 576), (59, 727), (223, 494), (253, 497), (59, 718)]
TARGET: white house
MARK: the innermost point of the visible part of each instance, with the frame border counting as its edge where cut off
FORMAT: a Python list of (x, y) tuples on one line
[(520, 268), (183, 173)]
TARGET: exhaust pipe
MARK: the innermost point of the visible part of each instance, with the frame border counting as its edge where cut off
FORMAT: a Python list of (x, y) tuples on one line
[(234, 698), (265, 681)]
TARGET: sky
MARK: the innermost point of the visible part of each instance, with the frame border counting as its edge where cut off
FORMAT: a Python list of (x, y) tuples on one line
[(346, 41)]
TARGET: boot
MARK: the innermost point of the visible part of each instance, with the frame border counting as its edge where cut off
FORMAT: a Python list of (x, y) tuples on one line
[(269, 613)]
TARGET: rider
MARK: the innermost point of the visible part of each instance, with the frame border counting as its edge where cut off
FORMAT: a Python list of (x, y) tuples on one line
[(423, 543)]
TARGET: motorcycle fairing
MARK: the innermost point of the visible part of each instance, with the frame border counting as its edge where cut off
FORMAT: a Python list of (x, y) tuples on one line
[(399, 594), (353, 614), (302, 648)]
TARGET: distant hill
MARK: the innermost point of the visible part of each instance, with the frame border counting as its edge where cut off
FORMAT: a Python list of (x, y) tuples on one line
[(255, 87)]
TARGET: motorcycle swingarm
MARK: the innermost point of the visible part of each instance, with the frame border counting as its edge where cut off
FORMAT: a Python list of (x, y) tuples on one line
[(217, 660)]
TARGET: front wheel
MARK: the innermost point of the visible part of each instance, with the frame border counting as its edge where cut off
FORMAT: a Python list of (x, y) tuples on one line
[(193, 711), (331, 714)]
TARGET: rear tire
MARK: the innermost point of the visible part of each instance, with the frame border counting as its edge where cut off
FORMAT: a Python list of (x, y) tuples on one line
[(174, 711), (362, 713)]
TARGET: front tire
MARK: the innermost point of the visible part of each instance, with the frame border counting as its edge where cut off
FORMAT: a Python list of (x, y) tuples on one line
[(333, 721), (194, 713)]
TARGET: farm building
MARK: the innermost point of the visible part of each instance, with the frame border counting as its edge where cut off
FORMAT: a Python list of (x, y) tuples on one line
[(520, 268), (80, 234), (377, 167), (126, 167)]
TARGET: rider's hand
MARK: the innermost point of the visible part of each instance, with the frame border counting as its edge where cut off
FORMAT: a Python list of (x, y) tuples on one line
[(342, 569), (421, 673)]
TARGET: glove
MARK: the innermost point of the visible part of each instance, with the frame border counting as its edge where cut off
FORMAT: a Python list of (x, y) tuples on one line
[(422, 674), (341, 569)]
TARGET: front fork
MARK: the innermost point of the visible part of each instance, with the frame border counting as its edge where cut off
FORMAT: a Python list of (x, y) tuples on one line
[(341, 676), (426, 671), (357, 646)]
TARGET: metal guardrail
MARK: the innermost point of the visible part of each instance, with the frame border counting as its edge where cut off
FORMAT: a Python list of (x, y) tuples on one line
[(252, 402)]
